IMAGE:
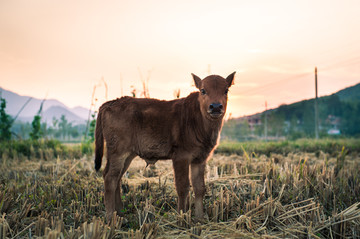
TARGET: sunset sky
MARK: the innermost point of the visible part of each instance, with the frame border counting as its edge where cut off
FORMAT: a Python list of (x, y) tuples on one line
[(63, 48)]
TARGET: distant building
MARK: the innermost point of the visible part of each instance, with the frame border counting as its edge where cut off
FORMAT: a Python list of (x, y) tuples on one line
[(253, 121), (333, 132), (334, 123)]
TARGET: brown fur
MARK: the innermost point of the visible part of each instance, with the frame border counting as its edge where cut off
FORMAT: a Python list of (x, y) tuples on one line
[(185, 130)]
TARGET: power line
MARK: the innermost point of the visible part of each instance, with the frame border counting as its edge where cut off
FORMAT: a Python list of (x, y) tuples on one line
[(264, 87), (345, 48), (340, 64)]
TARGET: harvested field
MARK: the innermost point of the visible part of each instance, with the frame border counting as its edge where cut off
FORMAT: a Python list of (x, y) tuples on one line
[(292, 195)]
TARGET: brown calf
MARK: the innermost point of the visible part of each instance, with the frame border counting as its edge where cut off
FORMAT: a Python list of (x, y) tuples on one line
[(185, 130)]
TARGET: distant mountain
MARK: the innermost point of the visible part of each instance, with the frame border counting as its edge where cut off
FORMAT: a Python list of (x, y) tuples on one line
[(58, 111), (51, 108), (338, 113), (351, 93), (81, 112)]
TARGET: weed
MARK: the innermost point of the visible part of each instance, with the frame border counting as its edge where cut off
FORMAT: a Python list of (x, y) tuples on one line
[(288, 193)]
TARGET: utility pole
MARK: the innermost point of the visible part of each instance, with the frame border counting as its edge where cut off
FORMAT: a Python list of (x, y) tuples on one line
[(316, 107), (266, 130)]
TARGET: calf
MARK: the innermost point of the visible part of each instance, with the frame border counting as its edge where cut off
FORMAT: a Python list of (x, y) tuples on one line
[(185, 130)]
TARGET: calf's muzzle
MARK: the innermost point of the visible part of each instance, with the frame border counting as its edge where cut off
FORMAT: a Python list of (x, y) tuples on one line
[(215, 109)]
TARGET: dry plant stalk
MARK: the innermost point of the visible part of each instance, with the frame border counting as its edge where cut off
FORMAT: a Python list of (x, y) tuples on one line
[(63, 198)]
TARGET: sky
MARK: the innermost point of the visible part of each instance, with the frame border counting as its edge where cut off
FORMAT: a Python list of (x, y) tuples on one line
[(62, 49)]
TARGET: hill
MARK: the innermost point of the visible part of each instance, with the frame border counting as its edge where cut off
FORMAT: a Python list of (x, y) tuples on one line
[(51, 108), (56, 112), (350, 93), (338, 114)]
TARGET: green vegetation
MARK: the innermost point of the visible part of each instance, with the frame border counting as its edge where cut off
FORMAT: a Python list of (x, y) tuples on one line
[(290, 189), (339, 115), (330, 146), (310, 191), (36, 132), (350, 93), (91, 134), (61, 130), (5, 122), (42, 149)]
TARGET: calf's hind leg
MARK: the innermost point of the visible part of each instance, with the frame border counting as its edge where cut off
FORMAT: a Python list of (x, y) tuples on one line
[(118, 202), (112, 176)]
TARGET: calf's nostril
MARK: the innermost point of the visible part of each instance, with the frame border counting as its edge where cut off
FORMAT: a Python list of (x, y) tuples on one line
[(215, 107)]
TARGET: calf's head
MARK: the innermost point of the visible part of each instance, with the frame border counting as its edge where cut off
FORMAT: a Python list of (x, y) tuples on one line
[(213, 95)]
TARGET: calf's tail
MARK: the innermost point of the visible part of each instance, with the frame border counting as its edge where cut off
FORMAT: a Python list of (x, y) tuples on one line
[(99, 143)]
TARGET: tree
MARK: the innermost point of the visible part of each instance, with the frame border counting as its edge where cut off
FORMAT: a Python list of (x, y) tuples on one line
[(63, 126), (92, 128), (276, 123), (5, 122), (36, 132), (69, 129), (350, 123), (235, 129), (55, 122), (74, 132)]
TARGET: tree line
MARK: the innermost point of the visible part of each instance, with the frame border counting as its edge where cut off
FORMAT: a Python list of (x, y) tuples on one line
[(60, 129), (297, 121), (287, 121)]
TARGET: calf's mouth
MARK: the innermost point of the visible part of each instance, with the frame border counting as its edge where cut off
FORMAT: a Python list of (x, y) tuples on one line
[(216, 113)]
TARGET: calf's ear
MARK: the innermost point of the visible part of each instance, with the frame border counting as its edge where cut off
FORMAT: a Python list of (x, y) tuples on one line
[(230, 79), (197, 81)]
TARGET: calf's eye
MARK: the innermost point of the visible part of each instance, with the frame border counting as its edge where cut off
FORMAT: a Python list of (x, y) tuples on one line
[(226, 91), (203, 92)]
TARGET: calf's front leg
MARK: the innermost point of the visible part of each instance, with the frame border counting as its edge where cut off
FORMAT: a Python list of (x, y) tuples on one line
[(198, 184), (182, 183)]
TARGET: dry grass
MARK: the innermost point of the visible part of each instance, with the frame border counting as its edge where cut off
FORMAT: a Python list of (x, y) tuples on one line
[(248, 196)]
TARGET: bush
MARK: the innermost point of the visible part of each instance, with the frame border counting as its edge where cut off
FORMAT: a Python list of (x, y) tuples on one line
[(5, 122), (87, 148), (330, 146), (42, 149)]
